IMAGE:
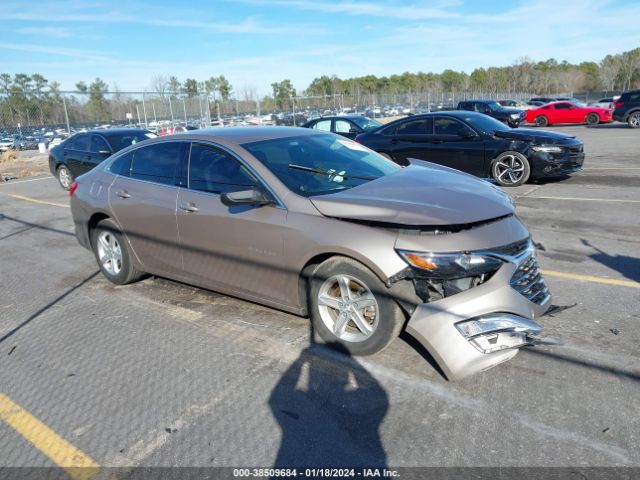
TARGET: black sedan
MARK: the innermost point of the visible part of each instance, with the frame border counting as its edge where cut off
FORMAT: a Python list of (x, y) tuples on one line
[(346, 125), (81, 152), (511, 116), (477, 144)]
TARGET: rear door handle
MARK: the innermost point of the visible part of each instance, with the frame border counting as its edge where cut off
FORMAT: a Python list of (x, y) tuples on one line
[(436, 141), (123, 194), (189, 207)]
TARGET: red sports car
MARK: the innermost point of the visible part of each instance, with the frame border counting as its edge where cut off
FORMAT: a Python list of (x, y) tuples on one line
[(567, 112)]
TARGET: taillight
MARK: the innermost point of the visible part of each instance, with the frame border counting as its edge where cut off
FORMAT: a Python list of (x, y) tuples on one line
[(619, 104), (73, 188)]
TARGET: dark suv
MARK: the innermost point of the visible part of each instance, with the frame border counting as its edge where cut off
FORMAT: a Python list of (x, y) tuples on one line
[(511, 116), (628, 108)]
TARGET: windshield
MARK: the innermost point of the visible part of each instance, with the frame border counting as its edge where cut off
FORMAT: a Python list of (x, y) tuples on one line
[(494, 106), (366, 123), (486, 124), (122, 140), (320, 164)]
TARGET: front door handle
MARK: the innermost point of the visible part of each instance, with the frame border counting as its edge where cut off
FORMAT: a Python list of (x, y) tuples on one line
[(189, 207), (436, 141), (123, 194)]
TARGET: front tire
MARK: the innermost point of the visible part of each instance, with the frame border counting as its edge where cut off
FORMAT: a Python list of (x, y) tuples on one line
[(542, 121), (510, 169), (634, 120), (65, 177), (592, 119), (112, 254), (351, 308)]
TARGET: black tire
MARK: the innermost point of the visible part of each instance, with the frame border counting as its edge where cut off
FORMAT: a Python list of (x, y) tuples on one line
[(65, 177), (510, 169), (388, 319), (542, 121), (127, 273), (634, 120), (593, 119)]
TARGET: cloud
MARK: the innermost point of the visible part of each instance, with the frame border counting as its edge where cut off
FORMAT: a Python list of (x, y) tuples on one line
[(53, 32)]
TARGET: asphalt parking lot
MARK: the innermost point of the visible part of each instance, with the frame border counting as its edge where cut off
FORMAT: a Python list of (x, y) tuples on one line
[(163, 374)]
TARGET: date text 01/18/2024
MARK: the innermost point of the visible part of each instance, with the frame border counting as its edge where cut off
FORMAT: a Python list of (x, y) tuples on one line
[(314, 472)]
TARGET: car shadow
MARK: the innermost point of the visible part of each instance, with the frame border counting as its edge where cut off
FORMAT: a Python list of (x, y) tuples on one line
[(627, 266), (329, 409), (609, 125)]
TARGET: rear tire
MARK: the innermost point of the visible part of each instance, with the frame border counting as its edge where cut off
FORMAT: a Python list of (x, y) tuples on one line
[(351, 309), (593, 119), (634, 120), (510, 169), (542, 121), (65, 177), (112, 254)]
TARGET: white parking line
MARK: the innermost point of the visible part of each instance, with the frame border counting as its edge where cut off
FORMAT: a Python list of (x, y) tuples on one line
[(610, 168), (14, 182), (614, 200)]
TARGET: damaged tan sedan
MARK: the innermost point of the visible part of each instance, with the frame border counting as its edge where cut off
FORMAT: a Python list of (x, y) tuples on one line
[(318, 225)]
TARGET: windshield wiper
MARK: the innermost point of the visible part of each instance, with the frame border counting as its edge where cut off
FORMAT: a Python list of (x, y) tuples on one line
[(330, 173)]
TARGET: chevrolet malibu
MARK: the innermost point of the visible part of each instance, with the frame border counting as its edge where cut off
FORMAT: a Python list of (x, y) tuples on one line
[(315, 224)]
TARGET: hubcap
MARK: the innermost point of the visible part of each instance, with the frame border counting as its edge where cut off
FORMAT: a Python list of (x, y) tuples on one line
[(65, 178), (635, 120), (510, 169), (109, 253), (348, 308)]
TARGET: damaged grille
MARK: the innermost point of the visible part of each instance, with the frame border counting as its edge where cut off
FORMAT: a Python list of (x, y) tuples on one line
[(527, 280)]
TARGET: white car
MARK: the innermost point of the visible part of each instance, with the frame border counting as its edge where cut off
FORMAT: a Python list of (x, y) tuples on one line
[(607, 102), (6, 144)]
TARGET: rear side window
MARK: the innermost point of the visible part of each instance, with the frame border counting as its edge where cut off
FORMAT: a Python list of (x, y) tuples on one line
[(98, 144), (211, 170), (414, 127), (158, 163), (81, 142), (122, 165)]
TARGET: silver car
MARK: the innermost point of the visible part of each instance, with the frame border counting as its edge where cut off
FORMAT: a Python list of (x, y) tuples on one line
[(315, 224)]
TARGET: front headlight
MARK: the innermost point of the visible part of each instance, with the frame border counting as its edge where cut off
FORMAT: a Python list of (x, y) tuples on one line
[(547, 148), (450, 265), (515, 116)]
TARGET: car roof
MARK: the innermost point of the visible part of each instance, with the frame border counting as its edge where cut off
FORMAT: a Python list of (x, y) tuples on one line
[(235, 136), (339, 117), (110, 131), (478, 100)]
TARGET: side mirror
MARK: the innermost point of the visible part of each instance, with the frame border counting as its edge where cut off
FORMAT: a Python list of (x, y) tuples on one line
[(246, 197), (104, 153)]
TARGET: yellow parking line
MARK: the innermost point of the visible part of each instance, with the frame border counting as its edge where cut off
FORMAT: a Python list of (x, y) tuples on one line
[(77, 464), (591, 278), (35, 200)]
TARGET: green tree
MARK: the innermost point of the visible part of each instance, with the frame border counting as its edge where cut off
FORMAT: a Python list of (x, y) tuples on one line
[(190, 87), (283, 92), (81, 87), (98, 104)]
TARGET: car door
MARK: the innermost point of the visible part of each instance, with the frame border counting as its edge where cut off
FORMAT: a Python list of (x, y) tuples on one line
[(75, 151), (143, 200), (346, 128), (99, 150), (411, 139), (456, 145), (563, 112), (238, 249)]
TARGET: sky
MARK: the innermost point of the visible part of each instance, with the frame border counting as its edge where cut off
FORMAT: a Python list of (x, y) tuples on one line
[(257, 42)]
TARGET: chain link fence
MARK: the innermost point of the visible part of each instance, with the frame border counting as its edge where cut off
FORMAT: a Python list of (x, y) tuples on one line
[(62, 113)]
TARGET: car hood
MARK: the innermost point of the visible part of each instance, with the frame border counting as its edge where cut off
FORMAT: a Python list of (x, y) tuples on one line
[(420, 194), (510, 110), (539, 136)]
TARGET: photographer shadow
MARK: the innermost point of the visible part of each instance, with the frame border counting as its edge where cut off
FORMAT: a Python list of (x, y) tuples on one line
[(330, 410)]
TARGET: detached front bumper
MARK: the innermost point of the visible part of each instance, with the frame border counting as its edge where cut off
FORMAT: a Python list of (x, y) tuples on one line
[(434, 324)]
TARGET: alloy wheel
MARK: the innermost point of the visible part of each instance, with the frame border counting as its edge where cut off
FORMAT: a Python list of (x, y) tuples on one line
[(634, 120), (509, 169), (65, 177), (348, 308), (109, 253)]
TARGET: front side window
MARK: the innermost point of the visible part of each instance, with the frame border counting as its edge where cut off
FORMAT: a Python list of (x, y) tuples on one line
[(320, 164), (158, 163), (449, 126), (211, 170), (563, 106), (343, 126)]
